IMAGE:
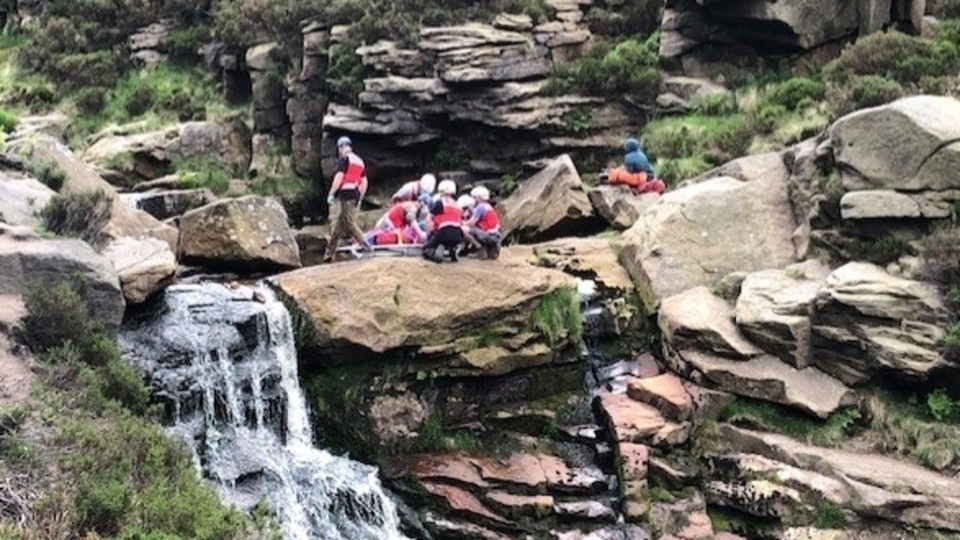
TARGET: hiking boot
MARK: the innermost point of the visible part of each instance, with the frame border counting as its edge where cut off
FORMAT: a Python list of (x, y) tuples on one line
[(493, 251), (432, 255), (454, 255), (482, 254)]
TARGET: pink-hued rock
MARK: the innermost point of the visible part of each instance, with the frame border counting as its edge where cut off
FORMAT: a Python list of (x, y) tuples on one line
[(516, 506), (447, 467), (666, 393), (461, 500)]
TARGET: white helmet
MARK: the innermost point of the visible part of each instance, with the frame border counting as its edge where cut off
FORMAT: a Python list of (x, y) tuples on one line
[(466, 201), (480, 193), (447, 187), (428, 183)]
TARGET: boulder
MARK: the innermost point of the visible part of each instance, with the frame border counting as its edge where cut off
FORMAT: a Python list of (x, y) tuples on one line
[(619, 206), (698, 234), (798, 24), (871, 486), (696, 319), (878, 204), (692, 88), (587, 258), (770, 379), (167, 204), (665, 392), (144, 266), (550, 204), (130, 158), (749, 169), (26, 260), (21, 199), (683, 519), (774, 308), (866, 321), (81, 177), (476, 314), (249, 233), (907, 145), (631, 421)]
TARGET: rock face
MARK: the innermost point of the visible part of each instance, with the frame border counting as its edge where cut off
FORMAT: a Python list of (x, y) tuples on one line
[(249, 233), (167, 204), (699, 234), (775, 306), (924, 156), (21, 198), (739, 32), (26, 260), (81, 177), (128, 159), (550, 204), (870, 486), (696, 319), (867, 321), (469, 314)]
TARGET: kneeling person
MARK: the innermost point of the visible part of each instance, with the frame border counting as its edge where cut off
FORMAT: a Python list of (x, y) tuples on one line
[(447, 220), (483, 227)]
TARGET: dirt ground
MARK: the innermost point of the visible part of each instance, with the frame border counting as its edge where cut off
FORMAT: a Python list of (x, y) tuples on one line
[(16, 378)]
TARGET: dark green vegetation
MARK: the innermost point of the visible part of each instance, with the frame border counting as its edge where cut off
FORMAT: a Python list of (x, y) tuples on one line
[(88, 444), (82, 215), (557, 317)]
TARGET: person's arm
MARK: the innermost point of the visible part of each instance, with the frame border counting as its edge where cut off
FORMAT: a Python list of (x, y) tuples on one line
[(478, 213)]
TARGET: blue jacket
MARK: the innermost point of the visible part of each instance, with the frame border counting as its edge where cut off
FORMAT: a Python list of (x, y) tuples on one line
[(635, 160)]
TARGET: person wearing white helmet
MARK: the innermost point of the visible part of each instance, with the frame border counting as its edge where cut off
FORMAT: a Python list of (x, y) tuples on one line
[(349, 186), (412, 191), (483, 227), (446, 227)]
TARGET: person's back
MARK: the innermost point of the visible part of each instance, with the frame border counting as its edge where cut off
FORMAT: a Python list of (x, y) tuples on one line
[(635, 160), (636, 173)]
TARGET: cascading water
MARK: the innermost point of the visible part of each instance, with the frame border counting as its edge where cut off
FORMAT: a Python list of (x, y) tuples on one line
[(224, 363)]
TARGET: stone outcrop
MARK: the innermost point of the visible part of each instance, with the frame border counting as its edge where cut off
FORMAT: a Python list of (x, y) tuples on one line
[(79, 177), (619, 206), (911, 145), (269, 99), (249, 233), (26, 261), (697, 235), (696, 319), (867, 321), (167, 204), (148, 44), (480, 325), (773, 473), (21, 199), (774, 308), (550, 204), (126, 159), (739, 32)]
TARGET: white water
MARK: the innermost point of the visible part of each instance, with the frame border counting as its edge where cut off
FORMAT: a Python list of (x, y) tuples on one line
[(227, 367)]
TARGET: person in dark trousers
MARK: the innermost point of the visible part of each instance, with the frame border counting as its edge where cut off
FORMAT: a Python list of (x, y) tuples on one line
[(349, 186), (447, 222)]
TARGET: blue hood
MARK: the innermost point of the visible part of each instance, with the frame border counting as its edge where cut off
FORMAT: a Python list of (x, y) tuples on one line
[(631, 145)]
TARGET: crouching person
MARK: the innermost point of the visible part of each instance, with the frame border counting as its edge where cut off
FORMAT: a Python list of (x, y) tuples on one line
[(447, 221), (483, 227), (636, 172)]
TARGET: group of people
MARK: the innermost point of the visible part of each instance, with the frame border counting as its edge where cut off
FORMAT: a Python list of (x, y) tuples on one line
[(417, 215)]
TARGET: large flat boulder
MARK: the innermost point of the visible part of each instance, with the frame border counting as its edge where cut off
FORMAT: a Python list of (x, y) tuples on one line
[(908, 145), (21, 198), (696, 235), (476, 314), (775, 306), (770, 379), (247, 234), (799, 24), (867, 321), (27, 260), (871, 486), (587, 258), (550, 204), (144, 266)]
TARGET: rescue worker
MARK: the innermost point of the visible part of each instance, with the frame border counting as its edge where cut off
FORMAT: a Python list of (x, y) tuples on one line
[(400, 225), (349, 186), (636, 173), (483, 227), (399, 215), (447, 221), (412, 191)]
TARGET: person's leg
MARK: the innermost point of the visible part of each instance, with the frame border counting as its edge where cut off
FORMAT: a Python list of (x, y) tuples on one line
[(452, 238), (335, 236), (350, 218), (430, 248)]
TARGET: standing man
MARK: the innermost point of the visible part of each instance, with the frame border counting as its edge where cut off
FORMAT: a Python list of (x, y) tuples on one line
[(349, 185)]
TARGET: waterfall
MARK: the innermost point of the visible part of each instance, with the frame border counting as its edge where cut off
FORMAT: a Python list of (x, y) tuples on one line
[(224, 364)]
